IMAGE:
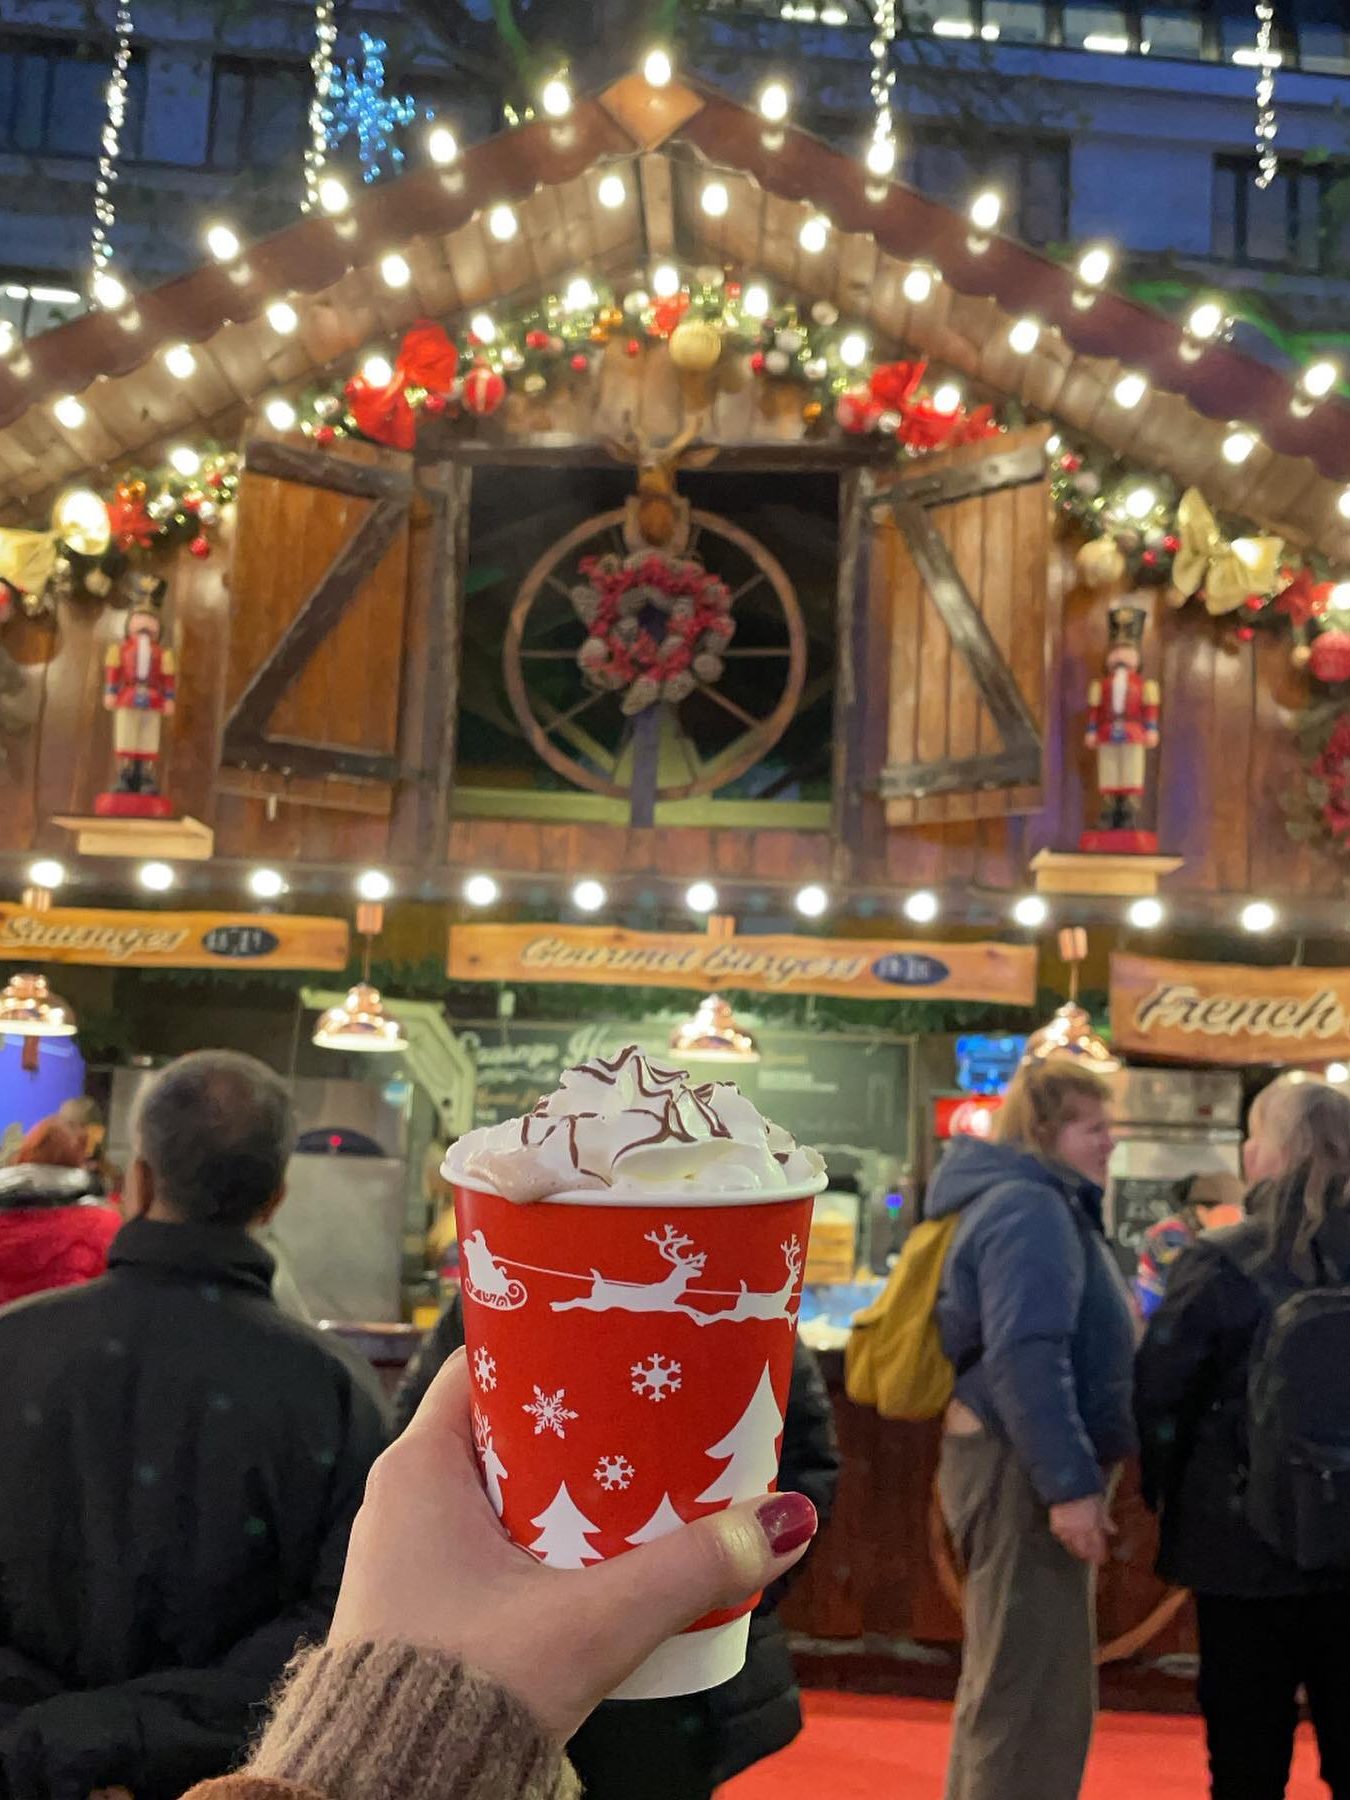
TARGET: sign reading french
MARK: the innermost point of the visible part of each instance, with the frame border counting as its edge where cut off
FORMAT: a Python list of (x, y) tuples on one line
[(166, 940), (848, 968), (1218, 1013)]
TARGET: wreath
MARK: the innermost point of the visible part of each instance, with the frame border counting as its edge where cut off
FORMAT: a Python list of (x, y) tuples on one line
[(1319, 810), (656, 625)]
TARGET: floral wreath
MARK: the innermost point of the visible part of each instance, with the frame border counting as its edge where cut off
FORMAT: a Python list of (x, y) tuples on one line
[(620, 602)]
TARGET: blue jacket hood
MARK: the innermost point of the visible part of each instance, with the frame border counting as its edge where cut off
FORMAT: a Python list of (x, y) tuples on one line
[(971, 1167)]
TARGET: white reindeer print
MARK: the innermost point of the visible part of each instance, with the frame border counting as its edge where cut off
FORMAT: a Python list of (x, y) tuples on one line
[(636, 1297), (777, 1305)]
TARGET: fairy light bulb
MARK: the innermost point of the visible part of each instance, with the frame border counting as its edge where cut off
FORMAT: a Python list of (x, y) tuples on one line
[(184, 461), (755, 302), (665, 281), (180, 362), (1206, 320), (881, 156), (333, 196), (1238, 446), (657, 69), (503, 224), (223, 242), (282, 317), (814, 235), (394, 270), (1140, 502), (1320, 377), (947, 399), (986, 210), (1095, 265), (715, 200), (1024, 336), (774, 102), (68, 411), (917, 285), (1129, 391), (442, 145), (611, 192), (377, 371), (556, 98), (853, 350), (483, 327), (280, 414)]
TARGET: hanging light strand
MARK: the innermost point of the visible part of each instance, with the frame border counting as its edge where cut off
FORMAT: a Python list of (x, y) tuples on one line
[(321, 67), (1267, 125), (105, 182), (881, 153)]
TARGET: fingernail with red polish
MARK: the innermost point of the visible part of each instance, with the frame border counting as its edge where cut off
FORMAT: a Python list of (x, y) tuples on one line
[(788, 1521)]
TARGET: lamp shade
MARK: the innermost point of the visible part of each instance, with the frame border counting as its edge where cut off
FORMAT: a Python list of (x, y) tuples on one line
[(28, 1008), (360, 1023), (1068, 1036), (712, 1035)]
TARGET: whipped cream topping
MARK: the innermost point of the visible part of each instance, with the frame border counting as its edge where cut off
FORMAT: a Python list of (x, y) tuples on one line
[(639, 1130)]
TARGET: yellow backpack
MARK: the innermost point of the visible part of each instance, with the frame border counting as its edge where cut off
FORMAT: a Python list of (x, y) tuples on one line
[(894, 1359)]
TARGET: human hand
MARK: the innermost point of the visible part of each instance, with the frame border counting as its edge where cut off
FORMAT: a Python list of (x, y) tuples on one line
[(430, 1565), (1083, 1527)]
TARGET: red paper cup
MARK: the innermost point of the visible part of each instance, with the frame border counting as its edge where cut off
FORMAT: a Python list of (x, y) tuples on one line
[(630, 1367)]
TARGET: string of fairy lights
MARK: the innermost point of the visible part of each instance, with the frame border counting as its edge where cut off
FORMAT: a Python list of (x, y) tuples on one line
[(1267, 60), (105, 289), (591, 898), (321, 69)]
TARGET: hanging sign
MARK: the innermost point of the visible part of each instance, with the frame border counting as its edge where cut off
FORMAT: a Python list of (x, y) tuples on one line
[(166, 940), (1217, 1013), (847, 968)]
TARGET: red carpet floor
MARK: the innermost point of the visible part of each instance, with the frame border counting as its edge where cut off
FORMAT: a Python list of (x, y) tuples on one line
[(856, 1747)]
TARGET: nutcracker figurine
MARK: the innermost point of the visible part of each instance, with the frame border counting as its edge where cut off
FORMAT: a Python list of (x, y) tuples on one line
[(138, 690), (1122, 727)]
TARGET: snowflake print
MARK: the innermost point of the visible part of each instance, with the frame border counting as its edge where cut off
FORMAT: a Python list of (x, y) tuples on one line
[(614, 1472), (549, 1412), (656, 1377), (485, 1370)]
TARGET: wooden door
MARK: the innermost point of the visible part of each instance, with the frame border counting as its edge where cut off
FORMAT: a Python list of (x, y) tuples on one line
[(960, 551), (318, 605)]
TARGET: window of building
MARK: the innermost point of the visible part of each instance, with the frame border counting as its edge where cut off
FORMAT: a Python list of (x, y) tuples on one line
[(259, 112), (944, 18), (949, 164), (35, 303), (1015, 21), (1171, 31), (53, 97), (1103, 28), (1298, 222)]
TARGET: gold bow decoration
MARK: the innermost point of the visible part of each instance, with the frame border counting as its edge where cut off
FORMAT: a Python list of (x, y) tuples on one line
[(1229, 573), (79, 522)]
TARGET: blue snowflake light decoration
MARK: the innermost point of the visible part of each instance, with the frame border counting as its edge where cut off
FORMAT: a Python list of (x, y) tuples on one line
[(362, 110)]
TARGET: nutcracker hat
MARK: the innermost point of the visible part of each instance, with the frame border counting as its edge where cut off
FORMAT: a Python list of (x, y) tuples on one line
[(1127, 626)]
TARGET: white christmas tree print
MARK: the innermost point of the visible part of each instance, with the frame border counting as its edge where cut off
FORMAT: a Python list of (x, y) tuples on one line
[(494, 1469), (614, 1472), (485, 1370), (563, 1530), (662, 1522), (656, 1377), (751, 1447), (549, 1412)]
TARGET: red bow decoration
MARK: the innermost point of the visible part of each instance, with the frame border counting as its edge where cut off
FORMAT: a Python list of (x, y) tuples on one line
[(427, 359), (972, 426), (382, 413), (1304, 598), (894, 385), (131, 524)]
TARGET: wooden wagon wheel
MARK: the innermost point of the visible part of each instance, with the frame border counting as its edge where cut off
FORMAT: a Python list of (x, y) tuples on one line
[(544, 630), (1118, 1649)]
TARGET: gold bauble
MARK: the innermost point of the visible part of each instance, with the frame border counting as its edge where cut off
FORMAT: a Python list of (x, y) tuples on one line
[(812, 412), (1301, 655), (695, 346), (598, 334), (1101, 563)]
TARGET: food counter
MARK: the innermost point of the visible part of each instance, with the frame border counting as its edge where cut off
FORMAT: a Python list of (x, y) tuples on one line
[(878, 1607)]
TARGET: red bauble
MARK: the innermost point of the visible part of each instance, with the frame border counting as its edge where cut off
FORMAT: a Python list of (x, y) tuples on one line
[(1070, 463), (191, 503), (1253, 603), (435, 404), (1246, 633), (757, 362), (733, 290), (215, 479), (857, 412), (581, 362), (1330, 659), (632, 348), (1149, 559), (536, 340), (200, 547), (484, 390), (324, 435), (1171, 543)]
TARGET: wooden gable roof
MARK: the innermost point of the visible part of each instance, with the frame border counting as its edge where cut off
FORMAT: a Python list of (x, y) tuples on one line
[(666, 142)]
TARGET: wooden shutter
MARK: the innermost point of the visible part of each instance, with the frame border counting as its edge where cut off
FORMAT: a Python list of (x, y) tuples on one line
[(962, 546), (317, 605)]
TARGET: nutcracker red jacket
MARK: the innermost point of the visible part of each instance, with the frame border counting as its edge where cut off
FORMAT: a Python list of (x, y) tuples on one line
[(146, 688), (1124, 715)]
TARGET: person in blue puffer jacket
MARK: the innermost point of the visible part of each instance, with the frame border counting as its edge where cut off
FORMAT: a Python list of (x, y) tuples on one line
[(1036, 1318)]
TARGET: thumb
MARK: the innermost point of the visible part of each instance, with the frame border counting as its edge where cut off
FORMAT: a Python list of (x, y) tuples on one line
[(636, 1601)]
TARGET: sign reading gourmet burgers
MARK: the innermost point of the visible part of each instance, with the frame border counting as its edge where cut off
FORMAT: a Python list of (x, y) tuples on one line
[(164, 940), (1216, 1013), (846, 967)]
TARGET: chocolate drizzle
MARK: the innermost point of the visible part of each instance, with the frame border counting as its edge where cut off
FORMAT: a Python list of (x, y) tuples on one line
[(609, 1071)]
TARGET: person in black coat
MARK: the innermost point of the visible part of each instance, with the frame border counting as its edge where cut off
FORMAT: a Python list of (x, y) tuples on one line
[(1267, 1628), (681, 1749), (181, 1466)]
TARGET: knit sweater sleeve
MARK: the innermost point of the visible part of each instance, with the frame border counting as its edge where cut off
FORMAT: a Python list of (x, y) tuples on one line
[(400, 1722)]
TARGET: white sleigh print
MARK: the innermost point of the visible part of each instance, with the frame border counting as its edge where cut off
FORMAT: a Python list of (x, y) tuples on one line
[(485, 1279)]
